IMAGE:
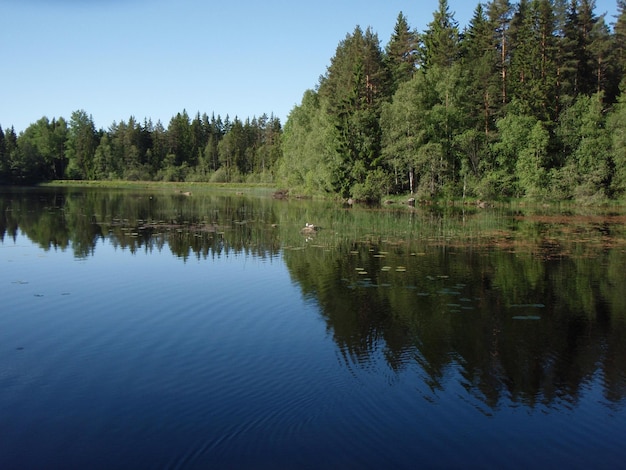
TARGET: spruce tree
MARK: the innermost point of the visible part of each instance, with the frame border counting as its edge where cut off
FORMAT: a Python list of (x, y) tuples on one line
[(81, 145), (401, 53), (578, 63), (441, 40), (4, 161), (533, 70), (355, 86), (480, 60)]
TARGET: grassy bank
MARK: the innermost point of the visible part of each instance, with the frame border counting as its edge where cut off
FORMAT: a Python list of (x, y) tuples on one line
[(260, 188)]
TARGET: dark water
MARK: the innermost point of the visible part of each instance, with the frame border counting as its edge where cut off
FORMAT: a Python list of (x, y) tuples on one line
[(154, 330)]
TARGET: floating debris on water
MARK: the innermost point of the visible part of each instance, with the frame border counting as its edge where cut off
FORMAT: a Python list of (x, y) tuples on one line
[(447, 291), (528, 306), (526, 317)]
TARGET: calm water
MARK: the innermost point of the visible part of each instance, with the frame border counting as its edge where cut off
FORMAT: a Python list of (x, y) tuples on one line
[(154, 330)]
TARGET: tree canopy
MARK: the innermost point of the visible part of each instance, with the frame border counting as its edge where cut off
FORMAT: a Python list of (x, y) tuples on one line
[(524, 101)]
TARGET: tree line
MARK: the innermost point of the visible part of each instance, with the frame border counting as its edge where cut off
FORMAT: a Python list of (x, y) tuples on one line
[(198, 149), (527, 100)]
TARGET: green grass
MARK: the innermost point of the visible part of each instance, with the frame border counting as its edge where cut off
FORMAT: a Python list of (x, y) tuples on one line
[(192, 187)]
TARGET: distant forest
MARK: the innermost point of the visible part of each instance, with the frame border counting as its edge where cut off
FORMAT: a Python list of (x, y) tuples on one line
[(527, 100)]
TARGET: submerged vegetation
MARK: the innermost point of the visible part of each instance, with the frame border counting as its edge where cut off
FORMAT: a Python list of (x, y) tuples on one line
[(525, 101)]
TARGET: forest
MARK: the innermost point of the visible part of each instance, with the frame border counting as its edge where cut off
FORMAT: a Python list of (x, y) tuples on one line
[(527, 100)]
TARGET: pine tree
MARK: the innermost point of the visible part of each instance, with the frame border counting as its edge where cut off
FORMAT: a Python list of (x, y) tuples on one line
[(499, 14)]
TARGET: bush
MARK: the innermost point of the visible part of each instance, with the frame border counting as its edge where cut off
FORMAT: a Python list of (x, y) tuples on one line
[(376, 185)]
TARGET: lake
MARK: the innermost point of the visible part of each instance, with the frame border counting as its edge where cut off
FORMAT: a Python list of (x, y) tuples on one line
[(146, 328)]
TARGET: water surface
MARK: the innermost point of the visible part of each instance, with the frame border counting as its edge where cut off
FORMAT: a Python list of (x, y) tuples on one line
[(152, 330)]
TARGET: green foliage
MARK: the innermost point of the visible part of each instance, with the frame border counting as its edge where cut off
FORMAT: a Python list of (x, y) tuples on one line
[(377, 184), (420, 126), (39, 151), (525, 102), (586, 167), (81, 146), (531, 163), (310, 160), (401, 53), (441, 40), (4, 158), (616, 126), (354, 88)]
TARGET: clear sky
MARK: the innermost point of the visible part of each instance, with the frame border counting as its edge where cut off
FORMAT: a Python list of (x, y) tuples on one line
[(154, 58)]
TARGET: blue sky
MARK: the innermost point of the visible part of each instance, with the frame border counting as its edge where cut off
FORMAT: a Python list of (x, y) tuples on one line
[(152, 59)]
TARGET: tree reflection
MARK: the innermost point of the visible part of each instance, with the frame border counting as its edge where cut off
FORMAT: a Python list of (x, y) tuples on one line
[(517, 327), (199, 226), (523, 308)]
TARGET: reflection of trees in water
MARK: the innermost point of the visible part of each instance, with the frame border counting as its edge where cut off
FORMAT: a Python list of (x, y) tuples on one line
[(475, 311), (198, 226), (446, 301)]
